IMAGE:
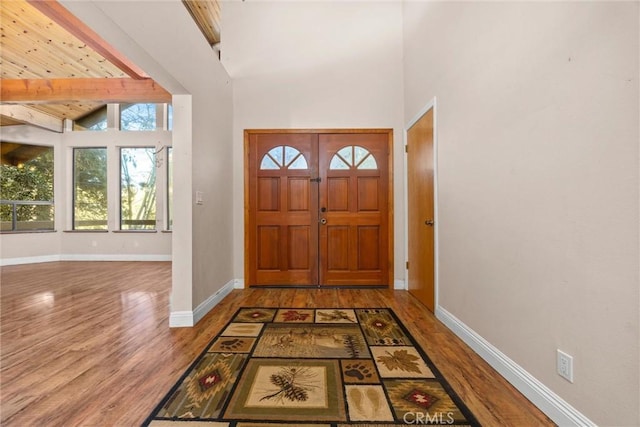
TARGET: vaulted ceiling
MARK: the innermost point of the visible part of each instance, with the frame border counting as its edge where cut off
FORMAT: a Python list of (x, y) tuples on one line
[(54, 67)]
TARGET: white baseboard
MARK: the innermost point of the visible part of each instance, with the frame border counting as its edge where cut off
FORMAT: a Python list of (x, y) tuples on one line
[(399, 284), (206, 306), (181, 319), (84, 257), (238, 284), (116, 257), (29, 260), (187, 319), (540, 395)]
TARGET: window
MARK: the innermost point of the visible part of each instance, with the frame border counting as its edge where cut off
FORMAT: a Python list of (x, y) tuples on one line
[(169, 188), (170, 117), (353, 156), (138, 116), (89, 188), (137, 188), (283, 156), (26, 187)]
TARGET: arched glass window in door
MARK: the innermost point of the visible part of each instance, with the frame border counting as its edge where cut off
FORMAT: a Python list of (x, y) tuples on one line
[(353, 157), (283, 156)]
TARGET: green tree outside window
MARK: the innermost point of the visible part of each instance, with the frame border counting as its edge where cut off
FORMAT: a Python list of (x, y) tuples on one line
[(137, 188), (138, 117), (89, 188), (26, 174)]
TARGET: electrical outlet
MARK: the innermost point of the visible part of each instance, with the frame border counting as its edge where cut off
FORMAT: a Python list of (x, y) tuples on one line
[(564, 365)]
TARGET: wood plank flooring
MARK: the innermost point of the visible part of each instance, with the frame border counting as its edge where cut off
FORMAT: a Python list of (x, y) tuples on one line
[(89, 344)]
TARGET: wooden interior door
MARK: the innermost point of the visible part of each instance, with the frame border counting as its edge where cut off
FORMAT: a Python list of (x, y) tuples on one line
[(317, 208), (421, 210), (354, 198), (282, 242)]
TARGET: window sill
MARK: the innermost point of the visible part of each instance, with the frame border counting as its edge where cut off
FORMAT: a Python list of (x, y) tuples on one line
[(134, 231), (85, 231)]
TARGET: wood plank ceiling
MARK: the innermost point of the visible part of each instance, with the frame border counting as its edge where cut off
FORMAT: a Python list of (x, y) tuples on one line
[(54, 67), (206, 13)]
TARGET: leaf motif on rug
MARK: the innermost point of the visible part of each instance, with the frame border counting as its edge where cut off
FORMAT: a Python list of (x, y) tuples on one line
[(400, 359), (292, 316), (400, 362), (330, 316)]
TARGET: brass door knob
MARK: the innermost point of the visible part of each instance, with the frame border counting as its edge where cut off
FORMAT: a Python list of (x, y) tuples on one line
[(323, 221), (429, 222)]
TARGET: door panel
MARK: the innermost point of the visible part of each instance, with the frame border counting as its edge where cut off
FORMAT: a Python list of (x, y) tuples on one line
[(337, 248), (368, 247), (368, 191), (318, 208), (298, 246), (299, 194), (268, 248), (338, 194), (421, 210), (268, 194)]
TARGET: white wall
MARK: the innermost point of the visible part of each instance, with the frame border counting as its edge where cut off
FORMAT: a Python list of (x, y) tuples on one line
[(538, 184), (313, 65), (161, 37)]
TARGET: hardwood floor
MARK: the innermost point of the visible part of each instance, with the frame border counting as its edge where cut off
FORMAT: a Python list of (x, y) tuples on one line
[(89, 343)]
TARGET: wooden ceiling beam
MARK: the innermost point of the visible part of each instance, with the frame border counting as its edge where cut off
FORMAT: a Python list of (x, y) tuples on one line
[(60, 15), (56, 91), (23, 114)]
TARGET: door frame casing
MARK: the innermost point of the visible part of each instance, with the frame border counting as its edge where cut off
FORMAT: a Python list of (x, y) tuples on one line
[(390, 199), (431, 105)]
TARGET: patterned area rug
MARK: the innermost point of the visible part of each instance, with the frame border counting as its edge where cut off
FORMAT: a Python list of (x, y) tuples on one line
[(312, 367)]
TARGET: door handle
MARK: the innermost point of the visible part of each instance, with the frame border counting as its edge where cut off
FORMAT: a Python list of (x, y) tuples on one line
[(323, 209), (323, 221), (429, 222)]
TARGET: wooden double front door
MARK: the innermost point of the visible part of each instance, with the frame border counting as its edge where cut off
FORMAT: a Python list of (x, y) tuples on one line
[(317, 208)]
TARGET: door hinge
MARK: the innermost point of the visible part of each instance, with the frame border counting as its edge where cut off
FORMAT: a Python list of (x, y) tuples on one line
[(407, 265), (406, 148)]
